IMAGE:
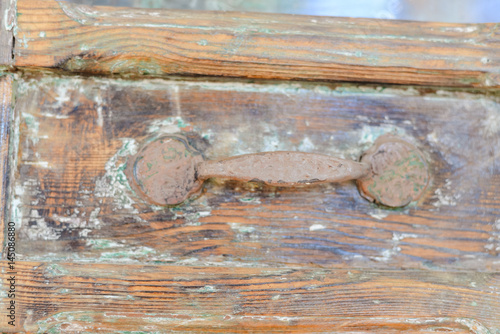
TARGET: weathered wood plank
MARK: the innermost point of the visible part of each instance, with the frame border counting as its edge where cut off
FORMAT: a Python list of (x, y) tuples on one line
[(100, 40), (71, 200), (7, 22), (68, 297), (5, 118)]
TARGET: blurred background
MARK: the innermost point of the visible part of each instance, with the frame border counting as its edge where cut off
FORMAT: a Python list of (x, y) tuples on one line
[(460, 11)]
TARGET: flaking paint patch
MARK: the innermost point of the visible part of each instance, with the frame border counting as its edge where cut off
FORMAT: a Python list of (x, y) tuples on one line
[(55, 270), (62, 95), (207, 289), (244, 229), (99, 244), (307, 145), (129, 255), (169, 125), (98, 101), (493, 244), (53, 323), (475, 326), (379, 214), (444, 195), (369, 134), (192, 214), (114, 182), (10, 17), (249, 199), (387, 254), (24, 40), (316, 227), (40, 230)]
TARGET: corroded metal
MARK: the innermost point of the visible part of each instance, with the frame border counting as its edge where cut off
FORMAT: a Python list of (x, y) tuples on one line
[(163, 171), (168, 170), (284, 169), (398, 174)]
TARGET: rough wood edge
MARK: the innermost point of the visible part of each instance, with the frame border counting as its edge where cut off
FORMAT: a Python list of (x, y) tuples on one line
[(5, 118), (8, 19), (272, 50)]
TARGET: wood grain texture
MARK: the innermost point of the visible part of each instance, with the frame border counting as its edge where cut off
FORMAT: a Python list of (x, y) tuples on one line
[(5, 124), (137, 42), (72, 201), (7, 22), (97, 298)]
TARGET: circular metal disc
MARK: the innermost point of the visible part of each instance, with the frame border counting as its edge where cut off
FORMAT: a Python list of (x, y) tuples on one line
[(399, 172), (163, 171)]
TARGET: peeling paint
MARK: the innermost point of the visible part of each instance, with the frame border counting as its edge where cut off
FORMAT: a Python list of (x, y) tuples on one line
[(10, 17), (202, 42), (493, 244), (475, 326), (207, 289), (369, 134), (444, 195), (99, 244), (247, 199), (316, 227), (114, 182), (242, 228), (169, 125), (379, 214), (387, 254)]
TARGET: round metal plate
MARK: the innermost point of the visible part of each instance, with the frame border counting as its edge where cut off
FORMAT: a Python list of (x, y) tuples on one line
[(399, 173), (163, 171)]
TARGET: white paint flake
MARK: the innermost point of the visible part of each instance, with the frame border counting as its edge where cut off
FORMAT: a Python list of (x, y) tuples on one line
[(316, 227)]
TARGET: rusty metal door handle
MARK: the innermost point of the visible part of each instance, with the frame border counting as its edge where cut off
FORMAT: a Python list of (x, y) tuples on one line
[(168, 170)]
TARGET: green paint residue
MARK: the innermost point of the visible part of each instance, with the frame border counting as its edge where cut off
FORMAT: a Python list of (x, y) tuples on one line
[(207, 289), (99, 244), (202, 42), (136, 252), (114, 183), (56, 270), (169, 125)]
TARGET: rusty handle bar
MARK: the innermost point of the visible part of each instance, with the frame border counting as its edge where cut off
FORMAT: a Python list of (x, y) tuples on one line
[(168, 170), (285, 169)]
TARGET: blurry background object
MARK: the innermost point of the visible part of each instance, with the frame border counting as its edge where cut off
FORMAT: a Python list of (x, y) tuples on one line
[(460, 11)]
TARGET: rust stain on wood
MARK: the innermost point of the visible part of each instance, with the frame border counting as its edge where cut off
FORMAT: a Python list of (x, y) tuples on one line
[(138, 42)]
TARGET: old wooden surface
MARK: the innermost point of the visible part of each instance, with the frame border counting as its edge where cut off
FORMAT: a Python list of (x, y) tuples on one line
[(100, 40), (242, 257), (72, 200), (7, 22), (95, 298), (93, 256), (5, 118)]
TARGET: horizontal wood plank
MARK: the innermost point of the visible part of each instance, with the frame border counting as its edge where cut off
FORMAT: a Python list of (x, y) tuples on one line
[(72, 202), (68, 297), (100, 40)]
